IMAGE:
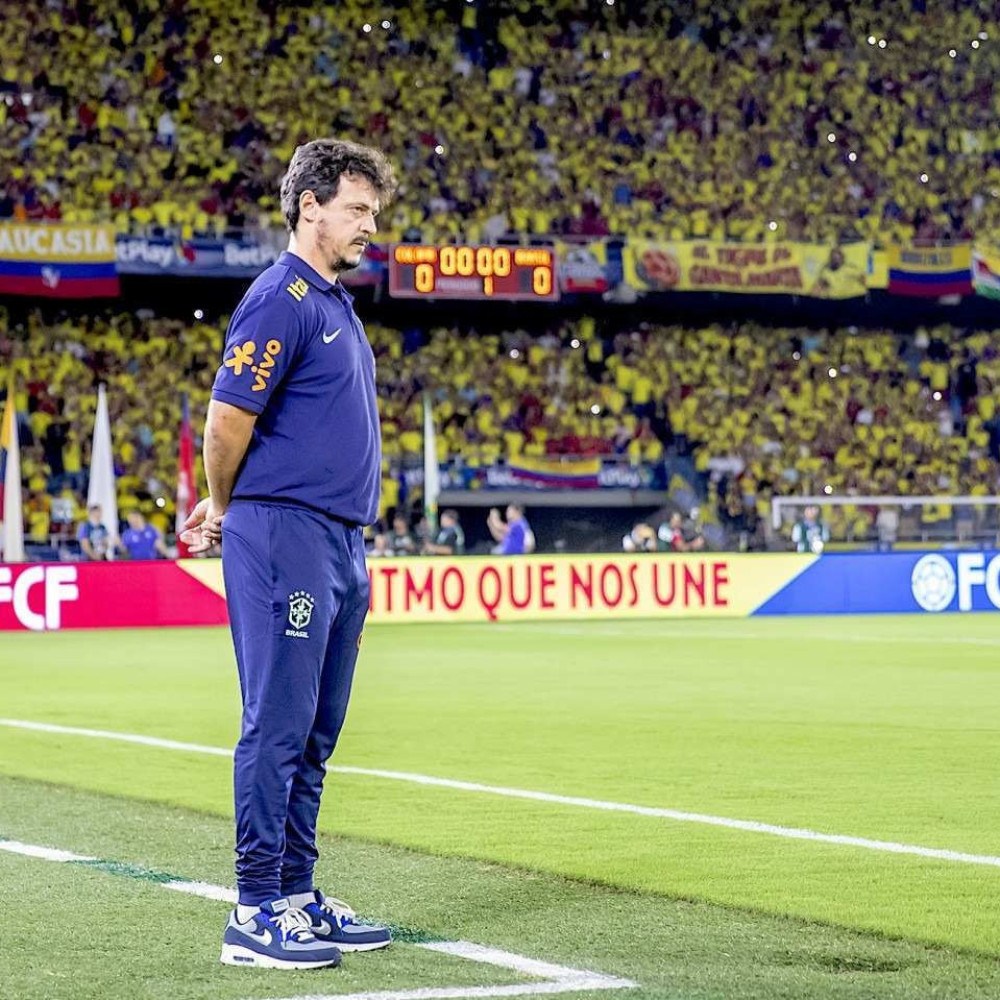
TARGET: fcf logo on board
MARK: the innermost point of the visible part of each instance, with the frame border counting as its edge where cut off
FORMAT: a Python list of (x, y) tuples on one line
[(57, 584)]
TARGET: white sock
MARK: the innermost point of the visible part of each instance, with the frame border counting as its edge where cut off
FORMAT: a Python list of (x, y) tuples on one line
[(300, 899), (245, 913)]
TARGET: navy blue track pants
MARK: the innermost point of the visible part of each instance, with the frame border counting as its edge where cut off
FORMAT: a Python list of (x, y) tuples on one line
[(297, 589)]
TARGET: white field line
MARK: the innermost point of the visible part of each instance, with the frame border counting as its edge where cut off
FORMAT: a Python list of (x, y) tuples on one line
[(554, 978), (204, 890), (43, 853), (655, 812)]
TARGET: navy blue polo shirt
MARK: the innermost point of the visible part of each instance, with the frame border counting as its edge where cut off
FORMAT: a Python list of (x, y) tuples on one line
[(297, 355)]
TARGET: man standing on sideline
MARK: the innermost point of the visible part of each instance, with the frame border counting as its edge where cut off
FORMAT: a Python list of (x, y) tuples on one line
[(93, 536), (293, 458), (140, 540), (514, 536)]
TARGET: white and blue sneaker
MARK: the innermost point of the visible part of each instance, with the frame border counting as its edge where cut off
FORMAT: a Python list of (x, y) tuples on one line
[(335, 923), (277, 937)]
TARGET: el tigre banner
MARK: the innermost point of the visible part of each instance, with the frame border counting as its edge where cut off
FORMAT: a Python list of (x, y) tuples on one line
[(826, 272)]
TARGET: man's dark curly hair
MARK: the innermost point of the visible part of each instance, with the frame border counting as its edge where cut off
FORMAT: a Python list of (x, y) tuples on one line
[(318, 165)]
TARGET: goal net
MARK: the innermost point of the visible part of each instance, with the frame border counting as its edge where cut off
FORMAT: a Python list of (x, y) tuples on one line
[(884, 521)]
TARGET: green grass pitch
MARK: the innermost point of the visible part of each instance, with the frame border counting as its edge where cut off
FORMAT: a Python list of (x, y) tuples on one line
[(881, 728)]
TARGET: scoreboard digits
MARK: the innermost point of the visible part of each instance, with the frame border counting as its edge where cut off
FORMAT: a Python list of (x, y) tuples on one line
[(472, 272)]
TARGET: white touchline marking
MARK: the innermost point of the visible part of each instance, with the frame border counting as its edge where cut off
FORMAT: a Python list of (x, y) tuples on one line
[(527, 966), (555, 978), (655, 812), (104, 734), (44, 853), (204, 890), (547, 987)]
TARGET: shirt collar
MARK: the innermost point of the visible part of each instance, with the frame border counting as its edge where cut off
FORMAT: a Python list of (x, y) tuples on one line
[(292, 260)]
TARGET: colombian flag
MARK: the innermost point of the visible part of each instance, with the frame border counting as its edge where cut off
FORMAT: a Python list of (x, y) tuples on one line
[(58, 261), (543, 473), (930, 271)]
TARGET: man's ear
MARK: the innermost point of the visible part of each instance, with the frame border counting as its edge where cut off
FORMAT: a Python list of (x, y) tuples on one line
[(308, 206)]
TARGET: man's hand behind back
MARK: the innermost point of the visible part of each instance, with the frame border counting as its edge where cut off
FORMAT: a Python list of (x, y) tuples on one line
[(203, 527)]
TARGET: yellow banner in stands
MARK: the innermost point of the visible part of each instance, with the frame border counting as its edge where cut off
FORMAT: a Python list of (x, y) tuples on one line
[(826, 272), (57, 242)]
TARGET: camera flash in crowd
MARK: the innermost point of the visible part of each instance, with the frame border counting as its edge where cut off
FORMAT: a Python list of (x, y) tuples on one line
[(217, 58), (199, 314)]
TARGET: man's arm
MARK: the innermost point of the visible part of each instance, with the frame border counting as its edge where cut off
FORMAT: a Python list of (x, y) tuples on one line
[(498, 529), (227, 435), (434, 549)]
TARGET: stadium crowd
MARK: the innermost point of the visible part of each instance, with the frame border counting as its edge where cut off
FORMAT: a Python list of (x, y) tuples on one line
[(755, 119), (757, 412)]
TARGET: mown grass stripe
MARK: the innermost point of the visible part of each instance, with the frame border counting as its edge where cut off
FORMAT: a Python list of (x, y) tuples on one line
[(123, 869), (126, 870), (573, 801)]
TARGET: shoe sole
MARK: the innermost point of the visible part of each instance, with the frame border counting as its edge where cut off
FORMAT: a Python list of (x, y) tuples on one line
[(234, 954), (370, 946)]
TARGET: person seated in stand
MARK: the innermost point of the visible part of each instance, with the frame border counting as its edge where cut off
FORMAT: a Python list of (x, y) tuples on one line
[(401, 540), (641, 538), (450, 539), (674, 538), (380, 547)]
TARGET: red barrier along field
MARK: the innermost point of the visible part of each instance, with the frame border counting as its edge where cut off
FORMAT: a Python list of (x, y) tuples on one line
[(483, 589), (53, 596)]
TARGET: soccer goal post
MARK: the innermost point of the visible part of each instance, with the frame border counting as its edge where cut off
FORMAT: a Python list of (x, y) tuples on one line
[(886, 520)]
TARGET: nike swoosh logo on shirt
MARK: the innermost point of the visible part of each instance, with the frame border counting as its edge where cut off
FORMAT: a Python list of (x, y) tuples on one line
[(329, 338)]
